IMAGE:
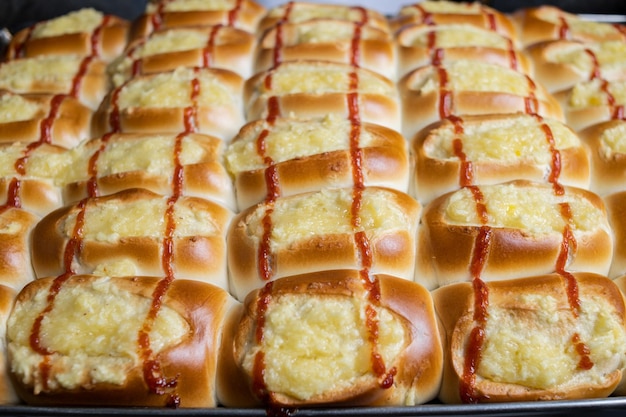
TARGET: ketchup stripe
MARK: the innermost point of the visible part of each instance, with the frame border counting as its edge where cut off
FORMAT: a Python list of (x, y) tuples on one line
[(208, 52), (97, 34), (233, 14)]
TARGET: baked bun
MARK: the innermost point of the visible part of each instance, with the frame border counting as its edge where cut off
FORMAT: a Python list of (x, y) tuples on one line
[(471, 13), (467, 87), (324, 339), (84, 32), (607, 149), (329, 229), (549, 337), (83, 78), (316, 88), (8, 396), (547, 23), (328, 39), (489, 149), (150, 161), (16, 269), (198, 100), (57, 119), (301, 11), (135, 232), (616, 209), (28, 175), (424, 44), (132, 341), (312, 154), (560, 65), (205, 46), (521, 228), (591, 102), (167, 14)]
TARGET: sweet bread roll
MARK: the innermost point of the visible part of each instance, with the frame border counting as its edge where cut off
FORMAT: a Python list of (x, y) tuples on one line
[(616, 209), (301, 11), (308, 155), (607, 149), (8, 395), (424, 44), (151, 161), (16, 269), (512, 230), (57, 119), (132, 341), (547, 23), (323, 339), (84, 32), (343, 228), (561, 64), (467, 87), (495, 148), (83, 78), (167, 14), (193, 100), (307, 89), (591, 102), (471, 13), (548, 337), (135, 232), (205, 46), (28, 175), (329, 40)]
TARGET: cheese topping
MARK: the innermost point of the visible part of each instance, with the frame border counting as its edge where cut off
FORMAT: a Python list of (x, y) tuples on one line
[(445, 7), (451, 36), (172, 41), (613, 140), (91, 343), (303, 12), (328, 338), (610, 56), (592, 94), (193, 5), (83, 20), (20, 74), (42, 163), (15, 108), (535, 209)]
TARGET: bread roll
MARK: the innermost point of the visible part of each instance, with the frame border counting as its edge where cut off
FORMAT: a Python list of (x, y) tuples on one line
[(607, 149), (193, 100), (549, 337), (316, 88), (16, 269), (591, 102), (167, 14), (8, 395), (424, 44), (205, 46), (512, 230), (471, 13), (342, 228), (495, 148), (308, 155), (83, 78), (28, 176), (616, 209), (84, 32), (324, 340), (301, 11), (467, 87), (133, 341), (150, 161), (548, 22), (561, 64), (135, 232), (621, 388), (328, 39), (57, 119)]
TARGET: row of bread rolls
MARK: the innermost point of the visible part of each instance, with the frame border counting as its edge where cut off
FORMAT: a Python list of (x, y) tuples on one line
[(323, 233)]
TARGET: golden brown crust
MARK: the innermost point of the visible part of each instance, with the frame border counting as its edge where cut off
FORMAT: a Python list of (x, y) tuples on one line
[(391, 247), (8, 396), (39, 196), (446, 250), (107, 41), (365, 46), (616, 211), (191, 363), (244, 15), (455, 307), (439, 170), (195, 254), (203, 174), (16, 269), (418, 365), (384, 161)]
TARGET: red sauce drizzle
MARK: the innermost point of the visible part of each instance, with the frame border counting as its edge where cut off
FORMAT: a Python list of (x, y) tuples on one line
[(364, 16), (234, 13), (595, 65), (278, 35), (530, 102), (19, 48), (114, 115), (466, 168), (13, 196), (445, 95), (45, 128), (190, 113), (513, 64), (97, 34), (427, 17), (92, 168), (564, 30), (78, 78), (258, 374), (208, 51), (491, 19), (617, 111), (157, 17)]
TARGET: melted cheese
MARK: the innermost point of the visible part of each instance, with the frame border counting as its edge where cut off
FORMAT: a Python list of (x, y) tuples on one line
[(19, 74), (613, 140), (450, 36), (610, 56), (42, 163), (194, 5), (15, 108), (327, 339), (324, 32), (535, 210), (445, 7), (592, 94), (83, 20), (171, 41), (304, 12), (84, 329)]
